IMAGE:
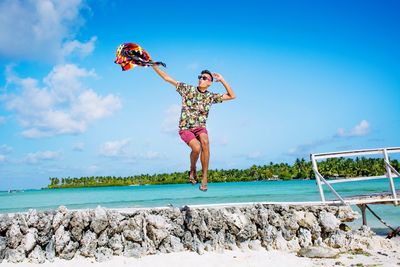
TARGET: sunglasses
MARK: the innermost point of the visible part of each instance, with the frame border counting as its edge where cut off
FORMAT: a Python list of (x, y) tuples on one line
[(204, 78)]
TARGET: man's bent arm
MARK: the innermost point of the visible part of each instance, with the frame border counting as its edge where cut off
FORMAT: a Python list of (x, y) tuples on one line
[(165, 76), (229, 92)]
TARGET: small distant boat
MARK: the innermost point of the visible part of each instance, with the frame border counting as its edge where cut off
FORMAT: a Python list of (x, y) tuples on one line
[(274, 178), (14, 191)]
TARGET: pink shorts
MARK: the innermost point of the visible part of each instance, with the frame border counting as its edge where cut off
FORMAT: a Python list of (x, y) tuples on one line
[(189, 134)]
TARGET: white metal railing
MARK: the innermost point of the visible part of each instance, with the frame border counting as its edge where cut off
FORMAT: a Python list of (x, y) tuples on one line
[(378, 151)]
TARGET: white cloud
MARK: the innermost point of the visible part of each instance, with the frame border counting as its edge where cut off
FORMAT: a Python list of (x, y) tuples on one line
[(5, 149), (115, 148), (78, 146), (39, 156), (78, 48), (91, 106), (304, 150), (2, 158), (2, 120), (171, 120), (62, 105), (64, 81), (42, 30), (361, 129), (121, 150)]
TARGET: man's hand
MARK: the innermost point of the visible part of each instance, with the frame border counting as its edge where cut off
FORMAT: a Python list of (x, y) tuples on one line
[(218, 77), (229, 92)]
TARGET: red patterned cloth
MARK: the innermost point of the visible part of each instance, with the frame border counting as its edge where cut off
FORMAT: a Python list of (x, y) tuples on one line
[(130, 55)]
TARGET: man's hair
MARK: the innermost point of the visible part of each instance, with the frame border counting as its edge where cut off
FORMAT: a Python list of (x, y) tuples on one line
[(209, 73)]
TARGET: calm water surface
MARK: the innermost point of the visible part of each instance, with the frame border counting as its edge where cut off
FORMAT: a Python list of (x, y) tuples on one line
[(186, 194)]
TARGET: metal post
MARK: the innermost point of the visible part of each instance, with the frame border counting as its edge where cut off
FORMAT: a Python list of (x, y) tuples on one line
[(389, 176), (364, 215), (315, 169), (331, 188), (393, 169)]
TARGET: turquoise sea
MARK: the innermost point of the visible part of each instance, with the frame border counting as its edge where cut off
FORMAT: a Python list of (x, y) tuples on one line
[(186, 194)]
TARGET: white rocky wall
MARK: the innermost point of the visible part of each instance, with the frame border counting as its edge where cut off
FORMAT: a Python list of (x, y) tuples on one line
[(100, 233)]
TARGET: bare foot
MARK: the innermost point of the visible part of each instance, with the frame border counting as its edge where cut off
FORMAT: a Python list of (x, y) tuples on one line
[(203, 187), (192, 177)]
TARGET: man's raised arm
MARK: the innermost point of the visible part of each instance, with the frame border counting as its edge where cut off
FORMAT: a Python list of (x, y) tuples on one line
[(165, 76), (229, 92)]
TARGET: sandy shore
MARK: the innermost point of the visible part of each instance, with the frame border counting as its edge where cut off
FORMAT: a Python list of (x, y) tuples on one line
[(376, 257)]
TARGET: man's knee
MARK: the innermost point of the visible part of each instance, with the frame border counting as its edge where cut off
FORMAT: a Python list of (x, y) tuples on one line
[(204, 142), (195, 146)]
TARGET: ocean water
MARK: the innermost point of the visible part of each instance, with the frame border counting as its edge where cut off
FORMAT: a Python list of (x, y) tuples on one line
[(186, 194)]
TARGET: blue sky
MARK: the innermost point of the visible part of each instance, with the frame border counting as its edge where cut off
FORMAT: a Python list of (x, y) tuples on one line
[(310, 76)]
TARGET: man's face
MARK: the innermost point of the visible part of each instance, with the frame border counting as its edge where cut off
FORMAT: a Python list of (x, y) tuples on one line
[(204, 80)]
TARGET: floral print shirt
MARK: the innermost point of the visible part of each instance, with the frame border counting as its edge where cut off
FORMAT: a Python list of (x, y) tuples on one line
[(195, 105)]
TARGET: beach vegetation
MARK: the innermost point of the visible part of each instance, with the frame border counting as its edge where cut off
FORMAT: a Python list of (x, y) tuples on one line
[(333, 168)]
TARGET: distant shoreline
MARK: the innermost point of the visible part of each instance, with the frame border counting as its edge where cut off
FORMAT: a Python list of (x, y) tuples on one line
[(13, 191), (299, 170), (101, 185)]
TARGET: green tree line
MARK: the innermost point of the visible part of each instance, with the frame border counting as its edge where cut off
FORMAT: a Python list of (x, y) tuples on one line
[(300, 169)]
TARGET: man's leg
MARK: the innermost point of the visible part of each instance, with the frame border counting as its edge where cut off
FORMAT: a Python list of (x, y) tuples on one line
[(205, 157), (194, 144)]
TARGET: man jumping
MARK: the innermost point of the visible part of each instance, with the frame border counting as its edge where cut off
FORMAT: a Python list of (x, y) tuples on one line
[(196, 103)]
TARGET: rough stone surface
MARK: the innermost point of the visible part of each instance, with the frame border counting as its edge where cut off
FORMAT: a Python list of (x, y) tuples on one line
[(293, 245), (115, 218), (37, 256), (304, 237), (133, 249), (29, 240), (346, 214), (14, 236), (133, 229), (62, 238), (61, 217), (3, 246), (176, 245), (50, 250), (69, 250), (44, 227), (5, 223), (15, 255), (100, 220), (308, 221), (79, 221), (310, 230), (318, 252), (80, 218), (88, 244), (280, 243), (329, 222), (103, 239), (103, 254), (339, 239), (115, 243), (32, 218), (20, 221)]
